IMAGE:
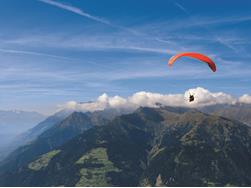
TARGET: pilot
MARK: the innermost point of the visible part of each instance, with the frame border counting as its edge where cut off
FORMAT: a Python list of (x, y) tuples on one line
[(191, 98)]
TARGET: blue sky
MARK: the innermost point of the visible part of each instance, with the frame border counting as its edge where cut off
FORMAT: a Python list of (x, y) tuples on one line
[(56, 51)]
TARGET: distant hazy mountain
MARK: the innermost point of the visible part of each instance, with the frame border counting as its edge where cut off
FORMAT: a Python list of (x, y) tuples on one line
[(41, 127), (239, 111), (18, 121), (152, 146), (31, 134), (15, 122), (55, 131)]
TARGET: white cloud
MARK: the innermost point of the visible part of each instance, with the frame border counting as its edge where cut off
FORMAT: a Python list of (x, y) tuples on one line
[(203, 97), (102, 102), (245, 99)]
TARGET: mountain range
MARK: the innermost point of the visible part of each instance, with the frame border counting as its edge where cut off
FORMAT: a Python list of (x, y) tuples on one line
[(165, 146)]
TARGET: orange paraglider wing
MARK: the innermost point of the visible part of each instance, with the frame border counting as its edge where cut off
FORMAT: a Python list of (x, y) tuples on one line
[(194, 55)]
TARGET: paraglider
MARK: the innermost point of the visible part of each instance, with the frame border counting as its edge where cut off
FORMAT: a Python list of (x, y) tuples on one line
[(197, 56), (194, 55)]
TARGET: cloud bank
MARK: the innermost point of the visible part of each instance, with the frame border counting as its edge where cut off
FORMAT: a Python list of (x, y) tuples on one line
[(245, 99), (147, 99)]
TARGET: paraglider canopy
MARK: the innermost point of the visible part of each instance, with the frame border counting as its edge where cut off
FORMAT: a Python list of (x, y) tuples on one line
[(194, 55)]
